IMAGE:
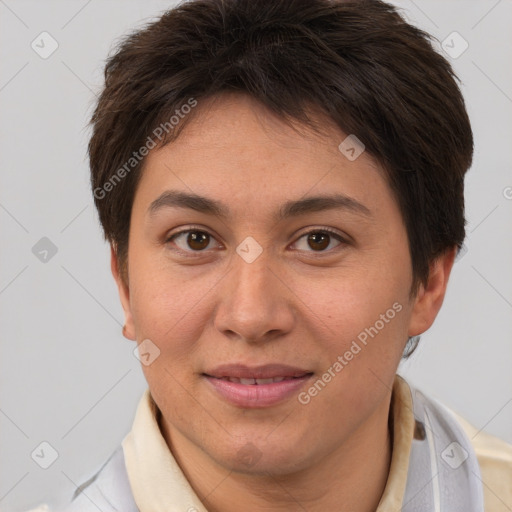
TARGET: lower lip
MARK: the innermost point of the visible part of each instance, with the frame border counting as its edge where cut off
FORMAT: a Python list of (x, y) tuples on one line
[(256, 395)]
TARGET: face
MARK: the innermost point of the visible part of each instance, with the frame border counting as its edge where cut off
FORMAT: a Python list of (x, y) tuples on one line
[(271, 275)]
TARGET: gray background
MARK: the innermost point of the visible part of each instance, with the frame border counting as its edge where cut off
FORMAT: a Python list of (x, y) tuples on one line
[(68, 376)]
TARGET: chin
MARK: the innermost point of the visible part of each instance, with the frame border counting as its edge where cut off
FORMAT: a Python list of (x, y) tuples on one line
[(282, 455)]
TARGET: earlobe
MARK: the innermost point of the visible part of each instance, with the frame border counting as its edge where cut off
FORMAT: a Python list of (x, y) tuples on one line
[(124, 296), (430, 297)]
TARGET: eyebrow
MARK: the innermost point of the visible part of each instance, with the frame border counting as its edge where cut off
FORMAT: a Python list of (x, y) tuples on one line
[(178, 199)]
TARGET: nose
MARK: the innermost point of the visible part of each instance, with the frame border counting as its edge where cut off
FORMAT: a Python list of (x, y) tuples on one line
[(255, 304)]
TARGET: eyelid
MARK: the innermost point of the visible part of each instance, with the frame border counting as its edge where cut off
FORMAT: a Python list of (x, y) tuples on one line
[(169, 238), (186, 229), (324, 229), (342, 238)]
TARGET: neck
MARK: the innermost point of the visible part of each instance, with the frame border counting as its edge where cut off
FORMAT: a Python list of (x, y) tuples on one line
[(351, 478)]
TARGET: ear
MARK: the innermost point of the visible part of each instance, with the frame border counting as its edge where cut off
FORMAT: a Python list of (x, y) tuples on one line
[(430, 297), (124, 295)]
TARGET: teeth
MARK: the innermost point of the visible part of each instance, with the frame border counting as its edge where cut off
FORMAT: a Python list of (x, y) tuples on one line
[(252, 382), (265, 381)]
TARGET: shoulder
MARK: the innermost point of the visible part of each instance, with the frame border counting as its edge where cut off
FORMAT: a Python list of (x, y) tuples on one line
[(487, 472), (107, 490), (495, 460)]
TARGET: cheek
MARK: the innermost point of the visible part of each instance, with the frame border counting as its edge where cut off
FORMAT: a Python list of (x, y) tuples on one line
[(360, 335), (167, 308), (345, 302), (359, 322)]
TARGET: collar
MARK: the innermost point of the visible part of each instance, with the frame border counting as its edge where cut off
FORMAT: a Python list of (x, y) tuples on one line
[(159, 485)]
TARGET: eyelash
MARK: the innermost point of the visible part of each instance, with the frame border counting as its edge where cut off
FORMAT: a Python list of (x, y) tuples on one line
[(198, 229)]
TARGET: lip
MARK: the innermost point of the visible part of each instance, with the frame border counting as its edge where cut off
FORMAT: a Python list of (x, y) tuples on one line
[(258, 395), (266, 371)]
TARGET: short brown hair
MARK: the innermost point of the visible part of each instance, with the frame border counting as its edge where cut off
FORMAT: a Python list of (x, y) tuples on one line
[(359, 62)]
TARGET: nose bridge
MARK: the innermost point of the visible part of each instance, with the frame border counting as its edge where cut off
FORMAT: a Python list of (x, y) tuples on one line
[(253, 302), (251, 279)]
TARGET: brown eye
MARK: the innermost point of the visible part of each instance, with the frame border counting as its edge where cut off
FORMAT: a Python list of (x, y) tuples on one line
[(318, 241), (198, 240), (191, 240)]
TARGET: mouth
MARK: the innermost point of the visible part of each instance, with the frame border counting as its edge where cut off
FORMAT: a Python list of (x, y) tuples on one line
[(256, 387), (257, 382)]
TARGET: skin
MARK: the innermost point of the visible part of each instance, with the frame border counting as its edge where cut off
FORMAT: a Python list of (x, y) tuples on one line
[(295, 304)]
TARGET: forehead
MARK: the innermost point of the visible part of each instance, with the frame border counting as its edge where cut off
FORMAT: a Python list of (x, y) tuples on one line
[(235, 118), (234, 149)]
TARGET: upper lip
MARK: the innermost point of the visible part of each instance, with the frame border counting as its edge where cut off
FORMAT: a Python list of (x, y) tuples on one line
[(266, 371)]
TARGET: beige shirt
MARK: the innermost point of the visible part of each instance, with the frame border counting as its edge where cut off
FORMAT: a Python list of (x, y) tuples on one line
[(159, 485)]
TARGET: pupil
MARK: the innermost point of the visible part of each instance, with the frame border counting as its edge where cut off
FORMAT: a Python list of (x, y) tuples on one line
[(319, 238), (197, 239)]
